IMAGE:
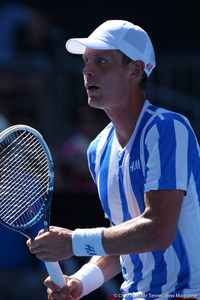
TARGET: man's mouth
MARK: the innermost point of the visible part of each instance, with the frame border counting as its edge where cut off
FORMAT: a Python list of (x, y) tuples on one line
[(91, 87)]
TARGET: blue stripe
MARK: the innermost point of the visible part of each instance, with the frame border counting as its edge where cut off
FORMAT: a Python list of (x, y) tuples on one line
[(159, 274), (184, 273), (153, 108), (125, 210), (92, 157), (103, 175), (138, 267), (167, 155)]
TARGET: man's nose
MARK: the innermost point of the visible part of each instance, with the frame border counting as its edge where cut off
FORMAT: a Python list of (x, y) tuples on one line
[(89, 68)]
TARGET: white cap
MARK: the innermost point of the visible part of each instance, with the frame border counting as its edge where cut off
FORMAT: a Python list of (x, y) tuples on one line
[(130, 39)]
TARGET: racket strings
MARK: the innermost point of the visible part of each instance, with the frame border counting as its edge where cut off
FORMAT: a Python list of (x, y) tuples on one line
[(24, 163), (9, 158), (24, 179), (19, 206)]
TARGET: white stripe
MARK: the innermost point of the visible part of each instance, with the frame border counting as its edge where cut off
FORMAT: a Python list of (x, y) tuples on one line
[(172, 263), (148, 262), (154, 114), (114, 200), (128, 265), (181, 134), (100, 147), (153, 164)]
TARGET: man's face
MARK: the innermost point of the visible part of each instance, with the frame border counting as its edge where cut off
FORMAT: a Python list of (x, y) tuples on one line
[(105, 78)]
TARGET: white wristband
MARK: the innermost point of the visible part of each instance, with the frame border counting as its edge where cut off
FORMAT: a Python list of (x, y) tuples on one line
[(88, 242), (91, 278)]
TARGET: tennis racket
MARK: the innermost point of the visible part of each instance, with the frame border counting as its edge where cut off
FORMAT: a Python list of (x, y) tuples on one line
[(26, 184)]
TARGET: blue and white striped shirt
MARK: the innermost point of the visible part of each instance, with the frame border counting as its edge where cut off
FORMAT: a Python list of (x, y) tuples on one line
[(163, 153)]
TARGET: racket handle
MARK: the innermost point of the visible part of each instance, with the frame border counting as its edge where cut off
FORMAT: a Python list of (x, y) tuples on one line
[(55, 273)]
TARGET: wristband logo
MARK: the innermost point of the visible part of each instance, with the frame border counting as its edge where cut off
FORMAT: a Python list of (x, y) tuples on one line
[(90, 250)]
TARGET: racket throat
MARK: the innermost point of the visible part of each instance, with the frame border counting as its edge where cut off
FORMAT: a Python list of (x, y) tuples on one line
[(24, 233)]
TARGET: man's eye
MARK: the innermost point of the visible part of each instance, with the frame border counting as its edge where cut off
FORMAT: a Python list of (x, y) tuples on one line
[(101, 60), (85, 60)]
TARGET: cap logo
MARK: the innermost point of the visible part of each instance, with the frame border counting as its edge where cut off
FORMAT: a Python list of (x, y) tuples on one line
[(149, 66)]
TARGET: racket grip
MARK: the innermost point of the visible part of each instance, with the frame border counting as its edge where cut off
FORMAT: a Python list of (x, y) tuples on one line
[(55, 273)]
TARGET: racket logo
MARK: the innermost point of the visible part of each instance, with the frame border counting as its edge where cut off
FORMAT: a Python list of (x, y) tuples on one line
[(30, 209)]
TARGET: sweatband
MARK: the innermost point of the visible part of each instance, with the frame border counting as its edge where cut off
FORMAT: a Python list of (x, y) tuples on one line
[(88, 242), (91, 278)]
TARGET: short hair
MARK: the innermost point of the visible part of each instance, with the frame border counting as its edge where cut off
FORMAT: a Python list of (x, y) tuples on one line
[(125, 61)]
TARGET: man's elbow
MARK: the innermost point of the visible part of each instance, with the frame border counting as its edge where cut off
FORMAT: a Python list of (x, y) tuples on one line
[(164, 238)]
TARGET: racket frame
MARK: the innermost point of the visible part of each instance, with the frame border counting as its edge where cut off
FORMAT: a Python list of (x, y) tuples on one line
[(45, 211)]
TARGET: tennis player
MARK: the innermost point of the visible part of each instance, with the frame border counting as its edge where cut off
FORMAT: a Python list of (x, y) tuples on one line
[(146, 165)]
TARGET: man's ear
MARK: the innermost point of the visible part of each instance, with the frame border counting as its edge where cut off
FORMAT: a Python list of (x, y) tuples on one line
[(137, 69)]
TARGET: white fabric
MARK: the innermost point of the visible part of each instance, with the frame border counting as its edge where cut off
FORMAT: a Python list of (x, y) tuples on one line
[(88, 242), (130, 39), (91, 278)]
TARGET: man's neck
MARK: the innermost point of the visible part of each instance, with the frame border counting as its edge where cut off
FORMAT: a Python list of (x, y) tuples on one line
[(125, 121)]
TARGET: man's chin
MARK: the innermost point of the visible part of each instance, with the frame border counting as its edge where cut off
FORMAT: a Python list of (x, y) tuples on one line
[(92, 102)]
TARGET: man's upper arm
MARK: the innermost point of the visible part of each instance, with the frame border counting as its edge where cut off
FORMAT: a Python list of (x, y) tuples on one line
[(163, 207)]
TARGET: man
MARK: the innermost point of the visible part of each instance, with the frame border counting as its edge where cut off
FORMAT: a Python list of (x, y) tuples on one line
[(146, 165)]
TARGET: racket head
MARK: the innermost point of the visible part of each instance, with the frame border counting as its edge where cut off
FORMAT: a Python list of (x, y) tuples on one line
[(26, 177)]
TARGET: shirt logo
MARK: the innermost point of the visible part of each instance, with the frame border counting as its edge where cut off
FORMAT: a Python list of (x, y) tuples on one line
[(135, 165)]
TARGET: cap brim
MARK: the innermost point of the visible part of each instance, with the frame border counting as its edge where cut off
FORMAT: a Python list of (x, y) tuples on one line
[(77, 46)]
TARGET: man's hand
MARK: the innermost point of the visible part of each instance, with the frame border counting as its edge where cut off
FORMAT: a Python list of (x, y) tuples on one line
[(71, 291), (54, 245)]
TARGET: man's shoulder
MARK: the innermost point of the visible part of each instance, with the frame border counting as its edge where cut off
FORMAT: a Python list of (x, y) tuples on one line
[(163, 115), (102, 137), (104, 133)]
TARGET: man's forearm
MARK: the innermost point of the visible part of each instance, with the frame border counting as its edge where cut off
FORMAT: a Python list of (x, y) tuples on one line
[(109, 265)]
